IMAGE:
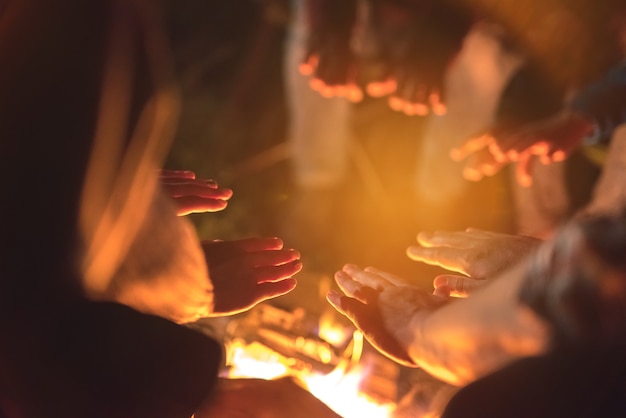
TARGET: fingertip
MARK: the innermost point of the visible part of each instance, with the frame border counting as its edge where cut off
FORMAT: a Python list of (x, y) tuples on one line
[(316, 84), (524, 180), (305, 69), (334, 298), (395, 103), (327, 92), (423, 238), (456, 154), (472, 174), (341, 275), (355, 94), (440, 109), (420, 109), (488, 169), (558, 156), (440, 281), (349, 267), (443, 292)]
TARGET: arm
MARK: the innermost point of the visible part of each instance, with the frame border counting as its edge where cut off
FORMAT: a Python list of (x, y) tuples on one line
[(469, 338), (456, 341)]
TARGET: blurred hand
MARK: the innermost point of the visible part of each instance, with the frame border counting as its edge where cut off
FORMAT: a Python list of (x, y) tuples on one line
[(329, 59), (550, 140), (420, 54), (193, 195), (247, 398), (384, 307), (475, 253), (249, 271)]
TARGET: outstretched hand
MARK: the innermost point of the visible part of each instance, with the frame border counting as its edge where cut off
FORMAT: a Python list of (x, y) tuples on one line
[(550, 140), (420, 54), (329, 59), (193, 195), (475, 253), (249, 271), (384, 307)]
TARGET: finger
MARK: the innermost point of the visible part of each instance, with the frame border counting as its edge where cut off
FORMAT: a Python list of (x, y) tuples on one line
[(354, 93), (380, 89), (350, 287), (515, 145), (200, 182), (421, 97), (317, 84), (480, 164), (197, 189), (366, 278), (270, 258), (559, 156), (177, 174), (449, 258), (193, 204), (497, 153), (396, 103), (308, 67), (271, 290), (438, 107), (442, 292), (274, 274), (458, 286), (522, 170), (420, 109), (258, 244), (453, 239), (391, 278), (470, 146), (367, 319)]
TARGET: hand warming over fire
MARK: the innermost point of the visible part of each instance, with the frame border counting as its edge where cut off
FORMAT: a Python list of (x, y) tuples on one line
[(550, 140), (384, 307), (249, 271), (329, 59), (193, 195), (475, 253)]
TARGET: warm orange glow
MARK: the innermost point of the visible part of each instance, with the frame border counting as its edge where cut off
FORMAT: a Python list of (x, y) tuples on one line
[(339, 389)]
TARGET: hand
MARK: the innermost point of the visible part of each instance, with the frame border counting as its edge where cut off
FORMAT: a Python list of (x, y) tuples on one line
[(249, 271), (194, 195), (478, 254), (263, 399), (329, 59), (384, 307), (421, 53), (550, 140)]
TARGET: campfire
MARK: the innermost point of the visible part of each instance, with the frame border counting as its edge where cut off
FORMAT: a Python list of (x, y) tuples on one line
[(325, 357)]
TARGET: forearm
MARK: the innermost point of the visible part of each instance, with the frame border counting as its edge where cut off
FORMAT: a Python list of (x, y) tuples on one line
[(469, 338)]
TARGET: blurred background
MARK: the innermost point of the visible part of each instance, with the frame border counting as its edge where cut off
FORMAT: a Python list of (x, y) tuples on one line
[(234, 128)]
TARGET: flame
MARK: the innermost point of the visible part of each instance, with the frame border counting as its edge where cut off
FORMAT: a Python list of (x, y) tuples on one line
[(340, 392), (254, 361), (339, 389)]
